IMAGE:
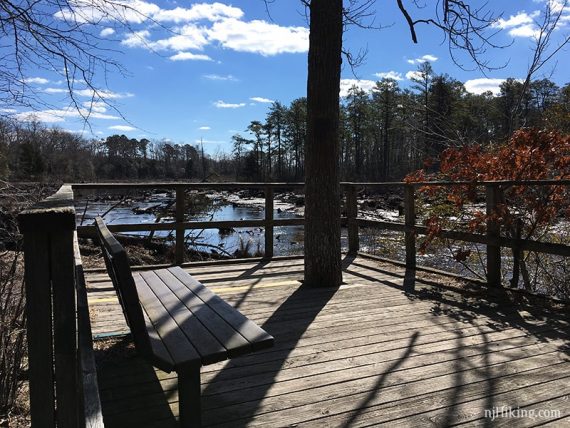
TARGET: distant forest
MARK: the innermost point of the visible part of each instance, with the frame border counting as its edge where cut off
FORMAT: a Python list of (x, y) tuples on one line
[(385, 134)]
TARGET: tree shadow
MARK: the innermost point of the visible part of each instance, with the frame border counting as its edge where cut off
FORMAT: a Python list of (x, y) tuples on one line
[(498, 312), (313, 300), (379, 384), (308, 302)]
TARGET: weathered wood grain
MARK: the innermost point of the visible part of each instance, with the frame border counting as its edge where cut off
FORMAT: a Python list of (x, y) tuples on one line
[(366, 357)]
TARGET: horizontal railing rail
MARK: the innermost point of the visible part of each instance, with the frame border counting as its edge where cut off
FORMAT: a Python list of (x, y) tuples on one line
[(90, 411)]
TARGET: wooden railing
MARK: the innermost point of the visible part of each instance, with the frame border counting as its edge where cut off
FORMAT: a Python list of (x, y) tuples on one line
[(62, 375), (492, 239), (181, 226)]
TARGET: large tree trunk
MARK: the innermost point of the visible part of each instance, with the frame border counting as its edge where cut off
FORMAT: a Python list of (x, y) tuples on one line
[(322, 180)]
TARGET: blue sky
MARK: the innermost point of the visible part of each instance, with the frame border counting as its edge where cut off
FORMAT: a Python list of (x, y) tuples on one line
[(206, 69)]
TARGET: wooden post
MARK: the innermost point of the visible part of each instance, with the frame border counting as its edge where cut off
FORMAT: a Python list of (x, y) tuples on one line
[(517, 253), (39, 334), (189, 399), (410, 222), (493, 231), (180, 209), (64, 327), (49, 273), (352, 213), (268, 222)]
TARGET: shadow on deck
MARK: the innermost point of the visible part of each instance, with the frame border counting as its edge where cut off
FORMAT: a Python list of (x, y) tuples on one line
[(376, 350)]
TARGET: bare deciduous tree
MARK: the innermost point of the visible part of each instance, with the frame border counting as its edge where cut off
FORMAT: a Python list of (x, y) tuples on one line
[(60, 37)]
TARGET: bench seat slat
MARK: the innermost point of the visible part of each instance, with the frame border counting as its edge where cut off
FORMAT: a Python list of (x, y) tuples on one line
[(258, 338), (160, 356), (180, 349), (227, 336), (209, 348)]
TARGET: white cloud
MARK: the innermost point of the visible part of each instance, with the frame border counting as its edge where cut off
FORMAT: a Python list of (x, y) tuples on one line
[(37, 80), (422, 59), (520, 25), (96, 11), (223, 104), (138, 11), (187, 37), (413, 75), (480, 86), (431, 58), (259, 37), (96, 95), (390, 75), (55, 90), (261, 100), (8, 110), (204, 128), (520, 18), (124, 128), (105, 32), (347, 84), (228, 77), (203, 24), (102, 94), (96, 106), (189, 56), (137, 39), (527, 30), (55, 115), (556, 5), (202, 11)]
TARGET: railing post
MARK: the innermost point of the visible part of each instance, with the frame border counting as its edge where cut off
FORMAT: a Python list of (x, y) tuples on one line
[(180, 209), (268, 222), (39, 327), (493, 194), (50, 277), (410, 222), (352, 213)]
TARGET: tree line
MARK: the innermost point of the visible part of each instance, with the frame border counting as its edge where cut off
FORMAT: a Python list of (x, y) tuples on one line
[(384, 134), (32, 151), (391, 131)]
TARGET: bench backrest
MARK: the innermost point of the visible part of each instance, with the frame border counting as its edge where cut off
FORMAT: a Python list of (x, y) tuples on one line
[(117, 263)]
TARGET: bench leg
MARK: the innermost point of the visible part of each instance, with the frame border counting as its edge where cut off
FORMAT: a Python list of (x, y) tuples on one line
[(189, 399)]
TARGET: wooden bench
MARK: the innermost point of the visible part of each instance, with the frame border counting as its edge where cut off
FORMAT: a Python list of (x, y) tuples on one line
[(177, 323)]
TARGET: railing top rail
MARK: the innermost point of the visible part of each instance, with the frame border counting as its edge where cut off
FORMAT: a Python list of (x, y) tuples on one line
[(462, 183), (188, 185), (296, 185), (55, 212)]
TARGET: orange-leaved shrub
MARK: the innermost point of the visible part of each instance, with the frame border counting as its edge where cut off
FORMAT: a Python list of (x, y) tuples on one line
[(524, 211)]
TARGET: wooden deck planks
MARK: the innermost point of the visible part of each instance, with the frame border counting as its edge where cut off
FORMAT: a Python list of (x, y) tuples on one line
[(365, 355)]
